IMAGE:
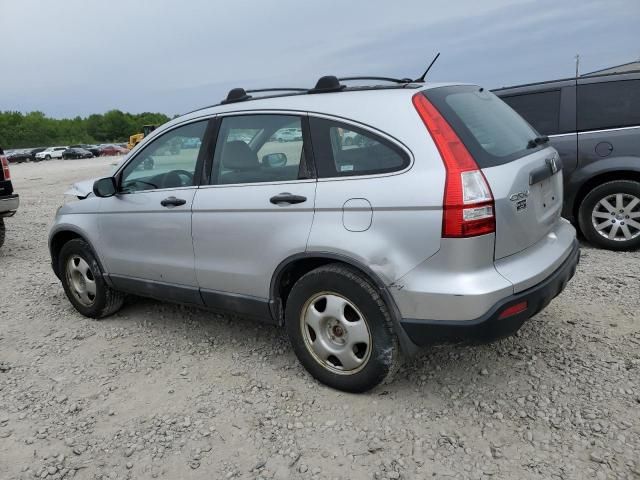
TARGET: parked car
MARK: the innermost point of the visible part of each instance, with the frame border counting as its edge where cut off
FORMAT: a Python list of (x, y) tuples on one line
[(34, 151), (594, 123), (18, 156), (445, 225), (288, 135), (70, 153), (112, 150), (9, 201), (51, 152), (94, 149)]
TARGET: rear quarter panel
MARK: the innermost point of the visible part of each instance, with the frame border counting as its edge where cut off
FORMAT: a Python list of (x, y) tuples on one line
[(405, 223)]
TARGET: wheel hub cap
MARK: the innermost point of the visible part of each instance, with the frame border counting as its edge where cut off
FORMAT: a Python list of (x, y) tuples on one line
[(335, 333), (81, 281), (617, 217)]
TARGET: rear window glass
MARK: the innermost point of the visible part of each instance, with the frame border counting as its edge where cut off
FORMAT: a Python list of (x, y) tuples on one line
[(492, 131), (342, 150), (540, 109), (609, 105)]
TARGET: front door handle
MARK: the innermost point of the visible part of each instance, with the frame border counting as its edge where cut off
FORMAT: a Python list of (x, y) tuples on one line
[(172, 202), (287, 197)]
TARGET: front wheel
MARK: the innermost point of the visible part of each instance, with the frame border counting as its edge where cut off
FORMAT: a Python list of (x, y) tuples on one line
[(83, 281), (48, 157), (341, 329), (609, 215)]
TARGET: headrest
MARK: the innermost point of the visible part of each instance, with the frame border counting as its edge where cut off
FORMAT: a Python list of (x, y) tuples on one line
[(237, 155)]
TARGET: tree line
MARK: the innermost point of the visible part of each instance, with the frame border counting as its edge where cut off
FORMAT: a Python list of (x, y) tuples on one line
[(35, 129)]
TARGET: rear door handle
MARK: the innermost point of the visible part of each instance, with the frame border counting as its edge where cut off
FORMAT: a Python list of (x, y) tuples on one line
[(172, 202), (287, 197)]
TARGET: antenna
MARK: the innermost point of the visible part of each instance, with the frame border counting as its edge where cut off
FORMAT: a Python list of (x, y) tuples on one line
[(421, 79), (577, 57)]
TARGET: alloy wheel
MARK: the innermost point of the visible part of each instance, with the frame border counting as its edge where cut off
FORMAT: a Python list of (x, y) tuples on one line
[(617, 217)]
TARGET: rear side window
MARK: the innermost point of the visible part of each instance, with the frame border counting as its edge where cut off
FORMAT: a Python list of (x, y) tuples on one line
[(608, 105), (492, 131), (259, 148), (540, 109), (342, 150)]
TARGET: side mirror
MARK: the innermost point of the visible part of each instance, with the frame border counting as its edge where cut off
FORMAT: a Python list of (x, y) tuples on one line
[(105, 187), (274, 160)]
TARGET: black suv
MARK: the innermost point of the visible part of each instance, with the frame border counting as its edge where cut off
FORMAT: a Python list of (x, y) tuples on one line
[(594, 123), (8, 200)]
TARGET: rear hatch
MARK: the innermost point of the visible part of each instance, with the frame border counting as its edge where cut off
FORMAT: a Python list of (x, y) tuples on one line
[(524, 174)]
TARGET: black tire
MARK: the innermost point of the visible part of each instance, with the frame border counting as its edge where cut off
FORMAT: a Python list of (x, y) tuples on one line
[(107, 301), (383, 357), (47, 157), (625, 187), (3, 232)]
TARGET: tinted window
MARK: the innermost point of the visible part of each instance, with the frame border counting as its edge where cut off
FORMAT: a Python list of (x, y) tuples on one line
[(169, 161), (492, 131), (344, 150), (258, 148), (609, 105), (540, 109)]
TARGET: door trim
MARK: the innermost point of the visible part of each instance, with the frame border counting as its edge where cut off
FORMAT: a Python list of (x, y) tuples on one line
[(253, 307), (158, 290)]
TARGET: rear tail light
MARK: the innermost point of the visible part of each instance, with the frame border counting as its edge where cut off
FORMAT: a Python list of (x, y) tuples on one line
[(5, 167), (468, 207)]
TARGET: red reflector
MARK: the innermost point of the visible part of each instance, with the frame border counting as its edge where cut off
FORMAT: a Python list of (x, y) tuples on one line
[(468, 208), (513, 310)]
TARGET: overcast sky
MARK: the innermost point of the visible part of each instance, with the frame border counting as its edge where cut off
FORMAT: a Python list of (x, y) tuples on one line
[(76, 57)]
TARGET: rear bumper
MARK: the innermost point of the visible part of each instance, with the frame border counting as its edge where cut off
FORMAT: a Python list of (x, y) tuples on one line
[(490, 326), (9, 204)]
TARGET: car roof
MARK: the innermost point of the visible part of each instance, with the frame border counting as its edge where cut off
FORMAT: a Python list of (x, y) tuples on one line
[(355, 104), (564, 82)]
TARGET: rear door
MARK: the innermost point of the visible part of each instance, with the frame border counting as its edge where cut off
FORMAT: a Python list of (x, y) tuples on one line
[(525, 177), (256, 212), (608, 119)]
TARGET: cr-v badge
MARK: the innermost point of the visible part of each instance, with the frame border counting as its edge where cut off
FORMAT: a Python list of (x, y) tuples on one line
[(520, 199)]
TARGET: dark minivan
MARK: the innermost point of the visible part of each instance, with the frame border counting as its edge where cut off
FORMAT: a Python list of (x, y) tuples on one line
[(594, 123)]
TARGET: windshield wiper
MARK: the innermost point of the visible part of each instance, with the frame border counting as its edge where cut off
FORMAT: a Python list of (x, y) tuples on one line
[(539, 140)]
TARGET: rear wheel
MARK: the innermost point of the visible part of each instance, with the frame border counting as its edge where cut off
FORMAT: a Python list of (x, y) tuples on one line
[(2, 232), (609, 215), (341, 329), (83, 281)]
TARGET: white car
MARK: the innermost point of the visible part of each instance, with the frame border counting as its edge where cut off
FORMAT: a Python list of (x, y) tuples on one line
[(51, 152)]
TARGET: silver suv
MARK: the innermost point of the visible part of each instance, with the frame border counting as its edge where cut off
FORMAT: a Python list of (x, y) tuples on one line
[(406, 215)]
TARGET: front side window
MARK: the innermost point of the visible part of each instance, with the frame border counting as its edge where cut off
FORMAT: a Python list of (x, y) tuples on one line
[(609, 105), (169, 161), (341, 150), (540, 109), (259, 148)]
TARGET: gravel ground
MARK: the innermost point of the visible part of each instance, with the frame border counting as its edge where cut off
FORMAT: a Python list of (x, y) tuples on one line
[(164, 391)]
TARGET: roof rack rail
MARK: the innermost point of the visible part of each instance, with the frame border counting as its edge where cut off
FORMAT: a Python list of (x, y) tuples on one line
[(326, 84), (383, 79), (283, 89), (236, 95)]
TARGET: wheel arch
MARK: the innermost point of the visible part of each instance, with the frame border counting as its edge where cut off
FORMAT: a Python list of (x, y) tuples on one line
[(593, 179), (58, 239), (294, 267)]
